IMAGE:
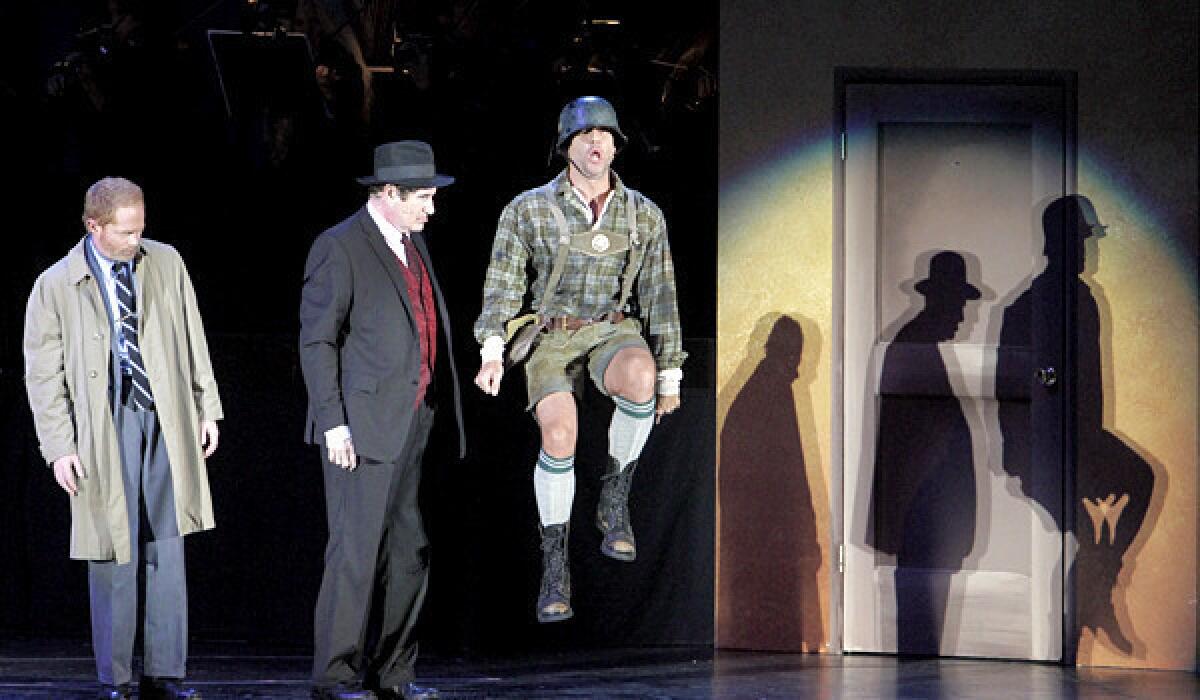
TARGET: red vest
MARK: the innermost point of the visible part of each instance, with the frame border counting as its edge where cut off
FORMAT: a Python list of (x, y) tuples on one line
[(425, 312)]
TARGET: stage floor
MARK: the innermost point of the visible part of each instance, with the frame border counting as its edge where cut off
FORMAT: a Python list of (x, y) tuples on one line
[(63, 670)]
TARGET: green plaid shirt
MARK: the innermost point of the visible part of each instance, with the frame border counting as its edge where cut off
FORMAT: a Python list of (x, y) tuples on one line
[(590, 286)]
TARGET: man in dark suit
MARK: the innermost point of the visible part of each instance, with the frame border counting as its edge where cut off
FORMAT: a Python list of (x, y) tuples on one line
[(370, 314)]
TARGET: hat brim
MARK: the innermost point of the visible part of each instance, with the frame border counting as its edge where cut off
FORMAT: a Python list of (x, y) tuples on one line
[(620, 140), (964, 289), (418, 182)]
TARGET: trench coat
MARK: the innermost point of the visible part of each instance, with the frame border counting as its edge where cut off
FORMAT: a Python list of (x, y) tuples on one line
[(68, 358)]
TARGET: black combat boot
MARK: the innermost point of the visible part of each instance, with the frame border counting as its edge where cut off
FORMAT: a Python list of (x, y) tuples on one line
[(612, 513), (554, 598)]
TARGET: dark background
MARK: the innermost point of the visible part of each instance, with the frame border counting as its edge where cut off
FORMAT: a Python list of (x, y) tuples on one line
[(242, 195)]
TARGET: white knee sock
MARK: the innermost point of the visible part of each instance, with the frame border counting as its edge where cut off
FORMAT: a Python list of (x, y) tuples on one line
[(554, 488), (630, 427)]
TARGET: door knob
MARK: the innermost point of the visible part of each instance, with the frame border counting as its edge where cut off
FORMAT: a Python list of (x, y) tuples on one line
[(1046, 376)]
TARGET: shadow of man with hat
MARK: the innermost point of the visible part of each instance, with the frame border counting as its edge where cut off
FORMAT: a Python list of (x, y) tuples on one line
[(923, 495)]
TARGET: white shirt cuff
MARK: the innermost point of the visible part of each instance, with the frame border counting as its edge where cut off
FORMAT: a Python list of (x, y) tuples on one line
[(492, 350), (669, 380), (335, 438)]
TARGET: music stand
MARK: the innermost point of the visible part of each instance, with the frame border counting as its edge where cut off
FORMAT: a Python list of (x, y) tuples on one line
[(265, 70)]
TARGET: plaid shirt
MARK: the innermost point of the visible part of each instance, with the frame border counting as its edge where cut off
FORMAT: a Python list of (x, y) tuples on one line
[(590, 286)]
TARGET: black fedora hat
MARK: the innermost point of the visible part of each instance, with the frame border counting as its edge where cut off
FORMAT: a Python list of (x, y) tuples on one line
[(406, 164), (948, 277)]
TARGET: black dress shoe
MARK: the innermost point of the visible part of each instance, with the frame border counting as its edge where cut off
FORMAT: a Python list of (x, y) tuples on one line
[(166, 689), (342, 691), (409, 691), (115, 692)]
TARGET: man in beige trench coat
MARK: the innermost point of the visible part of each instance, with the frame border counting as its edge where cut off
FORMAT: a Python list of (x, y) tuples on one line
[(125, 405)]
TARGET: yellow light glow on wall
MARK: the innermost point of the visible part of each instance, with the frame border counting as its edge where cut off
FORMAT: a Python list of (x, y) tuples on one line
[(1146, 288), (775, 253)]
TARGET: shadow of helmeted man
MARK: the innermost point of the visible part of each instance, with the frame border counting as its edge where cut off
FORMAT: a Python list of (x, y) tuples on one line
[(923, 505), (767, 588), (1114, 485)]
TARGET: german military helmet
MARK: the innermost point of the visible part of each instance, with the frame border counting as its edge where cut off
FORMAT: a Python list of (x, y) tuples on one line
[(585, 113)]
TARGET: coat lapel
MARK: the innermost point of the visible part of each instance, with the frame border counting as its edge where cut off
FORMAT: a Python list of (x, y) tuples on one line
[(145, 275), (388, 260), (419, 243), (79, 268), (447, 337)]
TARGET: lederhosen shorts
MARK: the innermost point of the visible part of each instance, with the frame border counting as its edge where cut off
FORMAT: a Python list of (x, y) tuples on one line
[(558, 361)]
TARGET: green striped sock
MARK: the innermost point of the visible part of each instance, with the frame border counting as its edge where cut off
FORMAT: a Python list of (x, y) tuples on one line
[(554, 487), (629, 430)]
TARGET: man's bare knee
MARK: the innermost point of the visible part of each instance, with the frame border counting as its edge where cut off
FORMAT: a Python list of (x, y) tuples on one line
[(556, 417), (642, 378), (632, 375), (558, 440)]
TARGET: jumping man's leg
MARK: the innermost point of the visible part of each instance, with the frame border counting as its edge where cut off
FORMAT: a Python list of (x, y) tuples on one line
[(554, 489), (629, 379)]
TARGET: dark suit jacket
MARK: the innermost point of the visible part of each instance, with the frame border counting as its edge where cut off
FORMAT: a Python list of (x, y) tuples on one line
[(359, 347)]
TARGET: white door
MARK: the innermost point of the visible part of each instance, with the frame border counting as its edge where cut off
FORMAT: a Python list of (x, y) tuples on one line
[(953, 539)]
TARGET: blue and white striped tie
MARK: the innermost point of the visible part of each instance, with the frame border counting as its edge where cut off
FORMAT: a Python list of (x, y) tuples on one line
[(139, 390)]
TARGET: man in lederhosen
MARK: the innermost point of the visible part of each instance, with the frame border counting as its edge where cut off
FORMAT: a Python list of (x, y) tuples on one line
[(604, 291)]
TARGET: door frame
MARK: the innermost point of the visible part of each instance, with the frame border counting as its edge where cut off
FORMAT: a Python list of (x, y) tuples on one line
[(1066, 81)]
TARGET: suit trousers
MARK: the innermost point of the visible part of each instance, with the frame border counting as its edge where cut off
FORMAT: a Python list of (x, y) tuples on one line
[(157, 558), (376, 567)]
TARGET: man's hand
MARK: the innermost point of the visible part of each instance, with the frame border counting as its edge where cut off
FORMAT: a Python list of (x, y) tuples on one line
[(344, 456), (490, 374), (208, 437), (666, 404), (66, 468)]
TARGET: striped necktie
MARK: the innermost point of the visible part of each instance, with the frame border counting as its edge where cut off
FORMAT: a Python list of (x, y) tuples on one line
[(135, 371)]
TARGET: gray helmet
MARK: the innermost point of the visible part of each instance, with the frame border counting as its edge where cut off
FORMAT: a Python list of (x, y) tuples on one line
[(585, 113)]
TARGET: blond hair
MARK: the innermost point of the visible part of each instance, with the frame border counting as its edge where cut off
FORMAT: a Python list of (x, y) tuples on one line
[(107, 195)]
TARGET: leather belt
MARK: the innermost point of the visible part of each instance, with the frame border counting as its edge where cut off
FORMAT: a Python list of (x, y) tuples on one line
[(572, 323)]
